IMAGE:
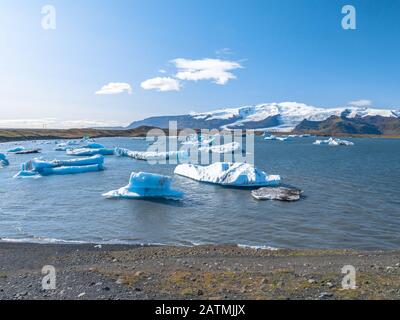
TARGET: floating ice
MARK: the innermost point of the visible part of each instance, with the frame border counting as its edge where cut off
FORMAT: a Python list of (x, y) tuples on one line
[(228, 174), (94, 145), (16, 149), (29, 151), (334, 142), (281, 194), (87, 152), (146, 185), (275, 138), (38, 167), (3, 160), (151, 156), (225, 148)]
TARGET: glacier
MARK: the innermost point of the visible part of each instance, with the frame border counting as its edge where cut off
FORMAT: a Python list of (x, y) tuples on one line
[(151, 156), (290, 114), (146, 185), (334, 142), (228, 174), (39, 167)]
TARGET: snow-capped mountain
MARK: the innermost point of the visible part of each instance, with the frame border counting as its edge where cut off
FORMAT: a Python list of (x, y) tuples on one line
[(283, 116)]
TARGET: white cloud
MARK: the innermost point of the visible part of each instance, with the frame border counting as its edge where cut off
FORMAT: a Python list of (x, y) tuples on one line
[(162, 71), (361, 103), (206, 69), (53, 123), (115, 88), (161, 84)]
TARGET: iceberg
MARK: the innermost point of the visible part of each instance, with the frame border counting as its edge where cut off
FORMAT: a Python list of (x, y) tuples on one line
[(146, 185), (334, 142), (38, 167), (94, 145), (29, 151), (281, 194), (87, 152), (151, 156), (16, 149), (275, 138), (3, 160), (225, 148), (228, 174)]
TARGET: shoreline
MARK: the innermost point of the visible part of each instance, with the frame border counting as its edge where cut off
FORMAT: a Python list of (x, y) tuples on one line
[(224, 272), (16, 135)]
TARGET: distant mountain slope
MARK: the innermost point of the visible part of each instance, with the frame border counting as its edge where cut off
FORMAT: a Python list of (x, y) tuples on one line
[(372, 125), (283, 116)]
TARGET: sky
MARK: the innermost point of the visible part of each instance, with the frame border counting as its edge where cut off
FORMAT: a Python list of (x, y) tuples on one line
[(113, 62)]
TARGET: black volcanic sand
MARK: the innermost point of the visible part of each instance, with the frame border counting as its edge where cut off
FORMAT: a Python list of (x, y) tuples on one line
[(206, 272)]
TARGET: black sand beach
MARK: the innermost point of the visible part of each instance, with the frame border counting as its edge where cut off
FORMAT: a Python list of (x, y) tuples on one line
[(205, 272)]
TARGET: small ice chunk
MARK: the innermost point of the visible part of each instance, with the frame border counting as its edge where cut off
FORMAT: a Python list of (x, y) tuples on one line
[(146, 185), (281, 194), (16, 149), (228, 174), (94, 145), (3, 160)]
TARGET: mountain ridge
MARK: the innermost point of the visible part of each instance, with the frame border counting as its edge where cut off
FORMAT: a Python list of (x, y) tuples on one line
[(286, 117)]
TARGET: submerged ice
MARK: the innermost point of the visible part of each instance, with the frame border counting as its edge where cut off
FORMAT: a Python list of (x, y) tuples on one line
[(146, 185), (228, 174)]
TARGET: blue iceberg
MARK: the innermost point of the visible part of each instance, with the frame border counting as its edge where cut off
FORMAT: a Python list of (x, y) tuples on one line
[(16, 149), (146, 185), (94, 145), (3, 160), (38, 167)]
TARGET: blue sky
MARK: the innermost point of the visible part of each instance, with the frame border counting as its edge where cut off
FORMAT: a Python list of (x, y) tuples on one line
[(288, 50)]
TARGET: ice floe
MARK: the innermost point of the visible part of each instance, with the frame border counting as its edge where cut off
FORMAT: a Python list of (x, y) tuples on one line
[(281, 194), (228, 174), (225, 148), (39, 167), (334, 142), (275, 138), (146, 185), (3, 160), (87, 152), (149, 156)]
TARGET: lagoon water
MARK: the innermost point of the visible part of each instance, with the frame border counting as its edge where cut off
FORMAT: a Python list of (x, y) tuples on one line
[(351, 201)]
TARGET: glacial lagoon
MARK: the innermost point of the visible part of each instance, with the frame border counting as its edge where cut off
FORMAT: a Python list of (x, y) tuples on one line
[(351, 200)]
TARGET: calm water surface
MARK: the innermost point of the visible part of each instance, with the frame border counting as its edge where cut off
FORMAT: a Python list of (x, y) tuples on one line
[(351, 201)]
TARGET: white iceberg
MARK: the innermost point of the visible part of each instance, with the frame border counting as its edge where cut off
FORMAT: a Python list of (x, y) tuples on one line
[(275, 138), (229, 174), (151, 156), (225, 148), (16, 149), (38, 167), (87, 152), (334, 142), (146, 185), (3, 160)]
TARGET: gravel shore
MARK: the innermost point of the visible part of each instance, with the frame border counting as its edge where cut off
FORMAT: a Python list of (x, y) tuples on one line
[(205, 272)]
